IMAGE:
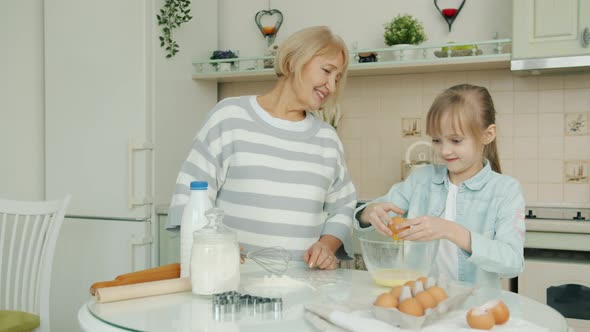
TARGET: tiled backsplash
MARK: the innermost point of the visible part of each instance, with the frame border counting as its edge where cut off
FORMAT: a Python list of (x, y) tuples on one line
[(543, 129)]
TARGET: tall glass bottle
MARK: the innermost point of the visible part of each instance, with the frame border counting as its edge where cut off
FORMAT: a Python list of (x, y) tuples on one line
[(193, 219)]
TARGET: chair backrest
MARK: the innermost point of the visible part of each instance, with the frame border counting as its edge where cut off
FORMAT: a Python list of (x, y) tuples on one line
[(28, 234)]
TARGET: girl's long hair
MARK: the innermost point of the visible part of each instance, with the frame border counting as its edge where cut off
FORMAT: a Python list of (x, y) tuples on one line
[(471, 111)]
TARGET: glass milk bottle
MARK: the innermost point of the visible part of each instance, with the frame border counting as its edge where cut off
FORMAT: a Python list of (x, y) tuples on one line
[(215, 258), (193, 218)]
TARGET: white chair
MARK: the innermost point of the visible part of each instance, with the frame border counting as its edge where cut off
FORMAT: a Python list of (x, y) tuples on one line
[(28, 234)]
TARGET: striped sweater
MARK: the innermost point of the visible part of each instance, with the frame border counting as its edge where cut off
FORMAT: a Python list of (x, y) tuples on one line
[(277, 187)]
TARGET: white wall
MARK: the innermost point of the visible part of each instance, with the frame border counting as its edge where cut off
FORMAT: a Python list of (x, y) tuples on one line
[(180, 101), (22, 97), (360, 21), (21, 100)]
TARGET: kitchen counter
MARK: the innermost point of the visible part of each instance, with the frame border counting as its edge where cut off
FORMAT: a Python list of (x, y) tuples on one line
[(557, 226), (540, 233), (557, 234)]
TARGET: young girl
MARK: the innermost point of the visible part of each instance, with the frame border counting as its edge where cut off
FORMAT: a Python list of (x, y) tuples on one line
[(476, 212)]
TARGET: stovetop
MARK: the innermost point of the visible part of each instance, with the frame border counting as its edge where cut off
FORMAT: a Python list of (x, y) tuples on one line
[(557, 213)]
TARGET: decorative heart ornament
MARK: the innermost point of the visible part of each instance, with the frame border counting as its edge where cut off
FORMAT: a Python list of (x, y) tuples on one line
[(269, 21), (449, 14)]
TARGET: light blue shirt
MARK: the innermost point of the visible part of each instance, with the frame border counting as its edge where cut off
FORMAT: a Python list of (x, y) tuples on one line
[(490, 205)]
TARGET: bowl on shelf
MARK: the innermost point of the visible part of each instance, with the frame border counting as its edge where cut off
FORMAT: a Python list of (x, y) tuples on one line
[(392, 263)]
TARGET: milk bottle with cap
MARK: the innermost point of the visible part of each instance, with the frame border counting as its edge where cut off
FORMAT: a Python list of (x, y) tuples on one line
[(193, 218)]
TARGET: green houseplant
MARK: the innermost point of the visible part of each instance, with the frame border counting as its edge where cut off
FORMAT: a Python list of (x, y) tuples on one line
[(172, 14), (404, 29)]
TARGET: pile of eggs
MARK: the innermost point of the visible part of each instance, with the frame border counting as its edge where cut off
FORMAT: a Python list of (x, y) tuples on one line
[(414, 298), (486, 316)]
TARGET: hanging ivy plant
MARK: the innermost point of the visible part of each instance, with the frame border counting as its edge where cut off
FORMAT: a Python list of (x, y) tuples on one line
[(172, 14)]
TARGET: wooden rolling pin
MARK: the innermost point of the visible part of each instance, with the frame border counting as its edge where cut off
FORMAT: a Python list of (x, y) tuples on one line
[(169, 271)]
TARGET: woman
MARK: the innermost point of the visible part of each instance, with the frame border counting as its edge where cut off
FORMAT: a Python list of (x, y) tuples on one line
[(276, 170)]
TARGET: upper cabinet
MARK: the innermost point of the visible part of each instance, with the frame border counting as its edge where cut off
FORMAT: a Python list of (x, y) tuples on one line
[(550, 28)]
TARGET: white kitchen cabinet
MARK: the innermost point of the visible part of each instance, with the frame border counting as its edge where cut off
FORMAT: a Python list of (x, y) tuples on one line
[(549, 28)]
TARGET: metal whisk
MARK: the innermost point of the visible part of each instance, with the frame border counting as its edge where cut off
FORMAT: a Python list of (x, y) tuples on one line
[(273, 259)]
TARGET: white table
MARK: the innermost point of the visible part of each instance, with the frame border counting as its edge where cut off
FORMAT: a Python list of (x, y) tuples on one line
[(188, 312)]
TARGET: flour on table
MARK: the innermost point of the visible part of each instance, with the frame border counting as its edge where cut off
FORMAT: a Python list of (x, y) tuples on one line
[(275, 285)]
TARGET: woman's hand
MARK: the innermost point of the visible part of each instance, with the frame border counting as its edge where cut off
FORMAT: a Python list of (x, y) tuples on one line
[(377, 214), (321, 256)]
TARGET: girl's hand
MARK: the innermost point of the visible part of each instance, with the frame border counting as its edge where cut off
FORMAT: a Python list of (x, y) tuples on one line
[(425, 228), (319, 255), (377, 214)]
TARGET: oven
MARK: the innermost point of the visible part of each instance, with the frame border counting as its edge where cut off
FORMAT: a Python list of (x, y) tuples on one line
[(555, 274)]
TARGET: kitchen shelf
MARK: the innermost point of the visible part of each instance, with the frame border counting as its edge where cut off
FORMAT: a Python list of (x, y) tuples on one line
[(493, 54)]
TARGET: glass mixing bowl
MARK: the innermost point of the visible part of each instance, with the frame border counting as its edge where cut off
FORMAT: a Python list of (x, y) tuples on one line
[(392, 263)]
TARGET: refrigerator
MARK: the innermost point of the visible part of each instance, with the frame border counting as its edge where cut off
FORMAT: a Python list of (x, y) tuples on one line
[(98, 144), (119, 121)]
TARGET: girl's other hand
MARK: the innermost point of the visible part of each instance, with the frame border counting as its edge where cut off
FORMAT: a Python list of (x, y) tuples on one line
[(377, 214), (425, 228)]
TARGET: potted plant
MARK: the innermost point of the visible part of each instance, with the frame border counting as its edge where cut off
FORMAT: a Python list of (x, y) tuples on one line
[(404, 29), (221, 54)]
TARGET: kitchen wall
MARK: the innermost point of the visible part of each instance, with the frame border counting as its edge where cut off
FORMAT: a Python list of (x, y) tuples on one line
[(536, 145), (360, 22), (22, 97), (533, 112), (21, 100)]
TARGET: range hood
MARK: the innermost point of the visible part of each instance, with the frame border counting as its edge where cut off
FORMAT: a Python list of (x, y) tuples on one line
[(536, 66)]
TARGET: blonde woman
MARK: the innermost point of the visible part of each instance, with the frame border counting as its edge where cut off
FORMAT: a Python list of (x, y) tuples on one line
[(277, 171)]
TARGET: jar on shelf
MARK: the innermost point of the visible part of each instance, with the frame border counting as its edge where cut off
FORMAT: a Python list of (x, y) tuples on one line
[(270, 51), (215, 257)]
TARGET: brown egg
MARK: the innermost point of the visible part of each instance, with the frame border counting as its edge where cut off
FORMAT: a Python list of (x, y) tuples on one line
[(412, 307), (396, 291), (426, 300), (438, 293), (500, 311), (386, 300), (396, 220), (480, 319)]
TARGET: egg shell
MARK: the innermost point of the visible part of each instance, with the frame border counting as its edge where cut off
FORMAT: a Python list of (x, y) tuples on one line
[(417, 288), (500, 311), (405, 294), (423, 280), (412, 307), (483, 320), (386, 300), (438, 293), (410, 283), (396, 291), (426, 299)]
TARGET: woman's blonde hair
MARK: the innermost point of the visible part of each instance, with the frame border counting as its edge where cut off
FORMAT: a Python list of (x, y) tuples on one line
[(471, 111), (299, 48)]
